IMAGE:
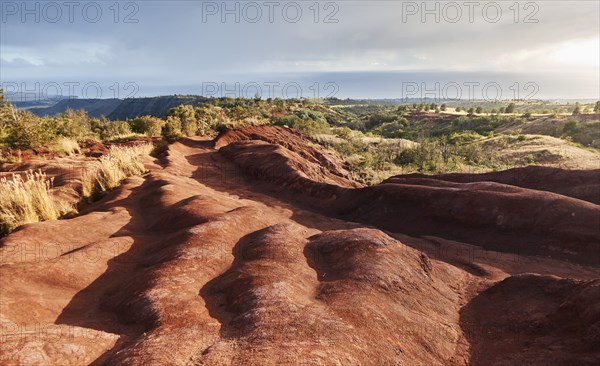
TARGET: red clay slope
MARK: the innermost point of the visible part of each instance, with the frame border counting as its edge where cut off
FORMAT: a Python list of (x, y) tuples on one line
[(535, 320), (292, 141), (493, 215), (581, 184), (168, 270), (200, 263)]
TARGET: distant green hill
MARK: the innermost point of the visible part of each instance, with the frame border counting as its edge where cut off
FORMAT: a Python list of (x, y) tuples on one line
[(121, 109)]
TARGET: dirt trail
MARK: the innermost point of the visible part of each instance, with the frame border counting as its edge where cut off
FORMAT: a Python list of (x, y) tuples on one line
[(208, 260)]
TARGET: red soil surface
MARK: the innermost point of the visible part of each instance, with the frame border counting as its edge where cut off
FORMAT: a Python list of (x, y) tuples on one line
[(581, 184), (258, 249)]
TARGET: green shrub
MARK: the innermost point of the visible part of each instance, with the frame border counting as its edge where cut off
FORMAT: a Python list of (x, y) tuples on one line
[(408, 157), (73, 124), (171, 131), (109, 130), (308, 126), (187, 116), (462, 138), (585, 133), (148, 125), (29, 131), (343, 132), (473, 154), (570, 128)]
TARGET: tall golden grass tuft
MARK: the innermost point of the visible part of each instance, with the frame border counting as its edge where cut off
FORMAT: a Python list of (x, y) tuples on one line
[(120, 163), (28, 199), (67, 146)]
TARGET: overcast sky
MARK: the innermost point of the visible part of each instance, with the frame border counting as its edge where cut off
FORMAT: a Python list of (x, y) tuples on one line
[(370, 49)]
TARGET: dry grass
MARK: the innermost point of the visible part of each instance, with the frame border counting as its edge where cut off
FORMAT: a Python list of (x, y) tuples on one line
[(67, 147), (120, 163), (27, 199)]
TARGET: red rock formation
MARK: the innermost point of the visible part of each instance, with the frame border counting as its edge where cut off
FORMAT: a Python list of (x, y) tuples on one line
[(213, 258)]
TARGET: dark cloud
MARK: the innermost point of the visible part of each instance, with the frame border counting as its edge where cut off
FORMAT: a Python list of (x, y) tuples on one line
[(171, 44)]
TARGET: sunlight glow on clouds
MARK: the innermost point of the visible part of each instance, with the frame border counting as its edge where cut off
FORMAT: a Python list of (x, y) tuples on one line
[(171, 45), (578, 53)]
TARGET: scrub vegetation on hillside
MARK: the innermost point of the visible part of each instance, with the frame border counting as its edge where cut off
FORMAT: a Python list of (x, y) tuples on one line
[(378, 139)]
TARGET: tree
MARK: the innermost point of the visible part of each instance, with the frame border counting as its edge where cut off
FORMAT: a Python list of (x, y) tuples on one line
[(597, 107), (148, 125), (510, 108), (26, 130), (238, 113), (7, 114), (570, 128), (171, 131), (471, 110), (443, 107), (73, 124), (208, 118), (458, 109), (110, 129), (577, 109), (479, 110), (187, 115)]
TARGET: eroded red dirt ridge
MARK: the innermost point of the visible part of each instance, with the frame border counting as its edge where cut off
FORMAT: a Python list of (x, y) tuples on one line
[(257, 248)]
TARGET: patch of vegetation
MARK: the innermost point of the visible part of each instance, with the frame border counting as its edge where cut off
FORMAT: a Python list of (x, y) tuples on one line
[(585, 133), (28, 199), (120, 163), (66, 147), (370, 135)]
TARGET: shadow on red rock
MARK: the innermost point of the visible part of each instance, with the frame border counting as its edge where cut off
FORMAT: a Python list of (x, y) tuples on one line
[(495, 215), (535, 320)]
